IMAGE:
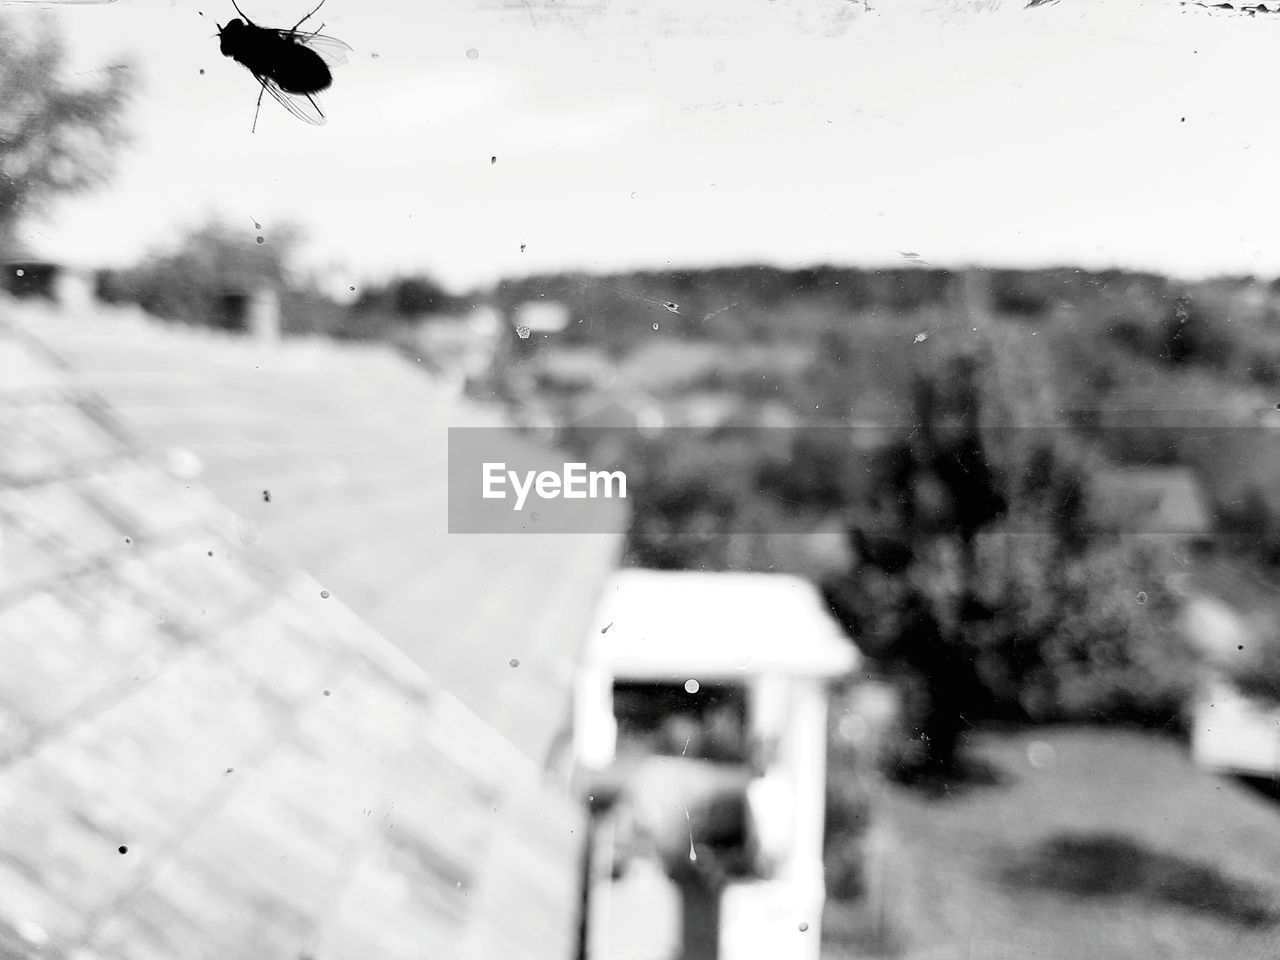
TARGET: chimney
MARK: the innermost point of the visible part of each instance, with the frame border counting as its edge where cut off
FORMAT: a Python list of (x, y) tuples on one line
[(73, 289), (263, 320)]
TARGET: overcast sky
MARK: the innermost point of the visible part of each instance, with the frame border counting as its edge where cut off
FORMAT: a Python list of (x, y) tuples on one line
[(639, 133)]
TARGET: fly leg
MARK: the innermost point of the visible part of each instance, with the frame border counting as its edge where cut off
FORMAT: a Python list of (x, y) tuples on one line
[(258, 108), (308, 16)]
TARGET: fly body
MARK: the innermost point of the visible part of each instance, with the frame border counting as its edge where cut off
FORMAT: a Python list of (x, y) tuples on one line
[(276, 56), (292, 65)]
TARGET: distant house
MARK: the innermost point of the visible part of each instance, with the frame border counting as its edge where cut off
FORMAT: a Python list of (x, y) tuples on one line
[(257, 701), (1179, 407), (632, 411), (249, 301), (541, 317), (1234, 734), (573, 369), (28, 276), (1231, 731), (1152, 501), (871, 435), (667, 365), (460, 347), (705, 410)]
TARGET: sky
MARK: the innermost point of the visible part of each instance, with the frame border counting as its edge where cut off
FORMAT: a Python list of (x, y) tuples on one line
[(646, 133)]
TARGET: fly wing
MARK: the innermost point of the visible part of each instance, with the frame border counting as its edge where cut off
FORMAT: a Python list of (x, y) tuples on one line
[(304, 106), (330, 49)]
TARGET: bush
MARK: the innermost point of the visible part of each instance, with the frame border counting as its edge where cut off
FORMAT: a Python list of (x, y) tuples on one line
[(1093, 637), (1135, 334), (848, 814), (1024, 294), (1190, 334)]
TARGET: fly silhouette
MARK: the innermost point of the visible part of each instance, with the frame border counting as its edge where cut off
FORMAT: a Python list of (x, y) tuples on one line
[(291, 65)]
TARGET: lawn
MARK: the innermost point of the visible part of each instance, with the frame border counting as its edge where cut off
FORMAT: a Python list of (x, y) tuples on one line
[(1080, 844)]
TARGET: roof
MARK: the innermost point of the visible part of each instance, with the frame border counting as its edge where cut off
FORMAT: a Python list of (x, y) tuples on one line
[(207, 753), (1159, 500), (694, 625), (350, 442)]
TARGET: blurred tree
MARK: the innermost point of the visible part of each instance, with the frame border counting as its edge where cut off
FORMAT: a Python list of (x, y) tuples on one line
[(54, 139), (187, 282), (1189, 333), (415, 296), (1091, 637), (386, 311), (938, 490)]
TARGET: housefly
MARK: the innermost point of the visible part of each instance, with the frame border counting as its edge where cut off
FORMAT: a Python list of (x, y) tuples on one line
[(291, 65)]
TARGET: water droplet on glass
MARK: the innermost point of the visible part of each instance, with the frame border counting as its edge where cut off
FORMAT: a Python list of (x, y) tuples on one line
[(1041, 754)]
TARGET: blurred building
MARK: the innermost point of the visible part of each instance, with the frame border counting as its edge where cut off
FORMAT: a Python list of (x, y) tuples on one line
[(1234, 734), (540, 317), (257, 702), (1228, 610), (1166, 502), (29, 276), (460, 348), (702, 733), (570, 370)]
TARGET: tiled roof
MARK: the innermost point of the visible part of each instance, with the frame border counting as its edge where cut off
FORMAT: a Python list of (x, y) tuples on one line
[(204, 753), (351, 442)]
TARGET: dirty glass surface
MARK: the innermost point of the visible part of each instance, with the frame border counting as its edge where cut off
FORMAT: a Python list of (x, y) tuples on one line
[(601, 480)]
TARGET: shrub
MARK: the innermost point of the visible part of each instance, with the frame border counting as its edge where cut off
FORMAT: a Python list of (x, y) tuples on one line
[(1093, 637), (1191, 334), (1022, 294)]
